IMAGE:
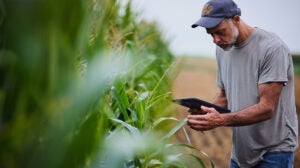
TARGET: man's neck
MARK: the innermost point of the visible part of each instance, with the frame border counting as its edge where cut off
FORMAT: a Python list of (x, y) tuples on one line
[(244, 33)]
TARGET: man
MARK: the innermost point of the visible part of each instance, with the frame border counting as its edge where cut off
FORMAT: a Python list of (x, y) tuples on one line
[(255, 77)]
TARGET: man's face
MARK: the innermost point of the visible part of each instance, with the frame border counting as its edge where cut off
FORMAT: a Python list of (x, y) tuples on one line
[(225, 34)]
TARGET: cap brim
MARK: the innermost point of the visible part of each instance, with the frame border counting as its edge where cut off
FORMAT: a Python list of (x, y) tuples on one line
[(207, 22)]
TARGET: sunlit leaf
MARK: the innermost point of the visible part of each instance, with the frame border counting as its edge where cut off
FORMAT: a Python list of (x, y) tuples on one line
[(175, 129)]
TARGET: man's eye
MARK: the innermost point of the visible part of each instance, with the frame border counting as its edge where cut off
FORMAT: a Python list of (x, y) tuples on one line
[(220, 32)]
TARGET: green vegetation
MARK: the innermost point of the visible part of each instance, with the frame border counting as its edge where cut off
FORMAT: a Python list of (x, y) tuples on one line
[(296, 60), (83, 84)]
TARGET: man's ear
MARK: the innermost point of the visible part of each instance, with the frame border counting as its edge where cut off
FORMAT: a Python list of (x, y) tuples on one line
[(236, 19)]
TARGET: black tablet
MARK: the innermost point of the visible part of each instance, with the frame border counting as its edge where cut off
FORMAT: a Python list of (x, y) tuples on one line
[(195, 103)]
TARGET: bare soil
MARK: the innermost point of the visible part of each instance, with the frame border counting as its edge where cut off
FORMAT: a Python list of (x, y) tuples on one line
[(197, 78)]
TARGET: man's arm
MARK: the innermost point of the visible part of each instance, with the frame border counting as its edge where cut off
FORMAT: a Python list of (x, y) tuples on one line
[(269, 94)]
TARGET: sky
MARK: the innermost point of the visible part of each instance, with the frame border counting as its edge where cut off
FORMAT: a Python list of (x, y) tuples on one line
[(175, 18)]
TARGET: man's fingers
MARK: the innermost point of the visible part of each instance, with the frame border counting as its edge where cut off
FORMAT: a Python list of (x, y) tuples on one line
[(207, 109), (196, 120), (199, 127), (202, 122)]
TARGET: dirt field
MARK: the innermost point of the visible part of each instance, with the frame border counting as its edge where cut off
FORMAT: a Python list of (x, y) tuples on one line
[(197, 78)]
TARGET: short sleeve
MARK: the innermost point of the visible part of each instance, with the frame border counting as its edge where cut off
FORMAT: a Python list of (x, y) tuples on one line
[(274, 66)]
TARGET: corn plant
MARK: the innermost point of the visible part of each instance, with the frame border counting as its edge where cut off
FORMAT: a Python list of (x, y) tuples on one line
[(77, 78), (129, 147)]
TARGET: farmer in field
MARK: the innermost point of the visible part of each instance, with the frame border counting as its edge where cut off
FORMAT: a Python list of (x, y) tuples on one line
[(255, 77)]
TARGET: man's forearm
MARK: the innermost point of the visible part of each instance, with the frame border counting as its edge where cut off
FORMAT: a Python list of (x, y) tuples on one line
[(269, 95), (247, 116)]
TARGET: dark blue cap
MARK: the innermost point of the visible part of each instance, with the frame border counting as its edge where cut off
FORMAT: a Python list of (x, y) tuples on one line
[(214, 11)]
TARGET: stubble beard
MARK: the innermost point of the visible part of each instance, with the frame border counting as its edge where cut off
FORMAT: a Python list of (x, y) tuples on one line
[(235, 34)]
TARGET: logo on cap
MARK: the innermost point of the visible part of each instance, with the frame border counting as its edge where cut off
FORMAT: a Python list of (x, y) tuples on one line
[(207, 9)]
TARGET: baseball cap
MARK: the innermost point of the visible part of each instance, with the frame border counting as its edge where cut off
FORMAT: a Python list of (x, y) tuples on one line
[(214, 11)]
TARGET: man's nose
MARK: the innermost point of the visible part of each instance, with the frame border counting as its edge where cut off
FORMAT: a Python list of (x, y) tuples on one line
[(216, 39)]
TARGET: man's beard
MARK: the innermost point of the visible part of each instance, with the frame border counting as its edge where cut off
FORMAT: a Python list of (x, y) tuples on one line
[(235, 33)]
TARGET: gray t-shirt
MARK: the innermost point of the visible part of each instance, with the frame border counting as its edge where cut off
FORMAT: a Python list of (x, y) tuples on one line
[(262, 58)]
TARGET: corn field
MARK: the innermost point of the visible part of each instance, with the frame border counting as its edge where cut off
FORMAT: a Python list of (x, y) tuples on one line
[(84, 84)]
